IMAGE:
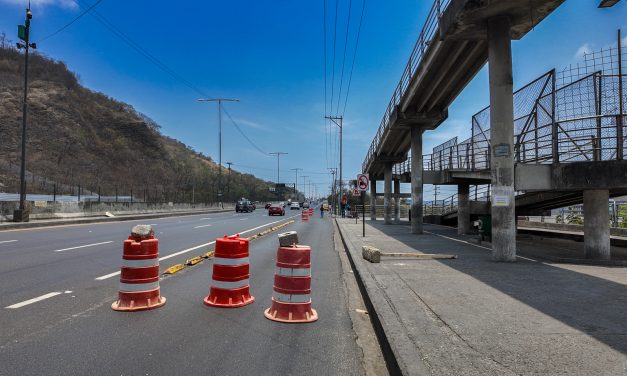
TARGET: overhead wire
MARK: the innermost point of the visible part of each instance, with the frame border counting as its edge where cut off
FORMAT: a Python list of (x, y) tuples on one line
[(242, 133), (71, 22), (326, 133), (348, 23), (333, 65), (128, 41), (154, 60), (350, 78)]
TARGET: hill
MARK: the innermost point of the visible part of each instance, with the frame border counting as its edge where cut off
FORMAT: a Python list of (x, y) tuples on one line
[(76, 136)]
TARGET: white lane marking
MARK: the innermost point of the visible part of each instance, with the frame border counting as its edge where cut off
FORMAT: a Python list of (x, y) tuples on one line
[(37, 299), (102, 278), (8, 241), (203, 226), (82, 246), (152, 224), (34, 300), (107, 276), (243, 219), (204, 219), (475, 245)]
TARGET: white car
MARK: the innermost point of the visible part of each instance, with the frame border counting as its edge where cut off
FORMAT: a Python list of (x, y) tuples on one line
[(294, 206)]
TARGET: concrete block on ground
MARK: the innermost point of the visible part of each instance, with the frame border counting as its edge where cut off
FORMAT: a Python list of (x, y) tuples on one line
[(371, 254), (287, 239)]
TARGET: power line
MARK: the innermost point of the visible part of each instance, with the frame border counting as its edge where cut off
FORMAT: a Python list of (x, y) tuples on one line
[(126, 39), (348, 22), (71, 22), (361, 18), (333, 66), (242, 132), (324, 27), (155, 61)]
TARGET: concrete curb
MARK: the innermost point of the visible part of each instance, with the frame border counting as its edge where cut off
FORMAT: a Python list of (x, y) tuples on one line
[(79, 221), (400, 353)]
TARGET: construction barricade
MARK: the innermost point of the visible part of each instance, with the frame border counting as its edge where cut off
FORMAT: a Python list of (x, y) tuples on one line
[(304, 215), (291, 300), (230, 286), (139, 275)]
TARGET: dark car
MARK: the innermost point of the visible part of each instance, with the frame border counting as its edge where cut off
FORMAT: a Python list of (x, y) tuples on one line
[(276, 209), (243, 206), (268, 205)]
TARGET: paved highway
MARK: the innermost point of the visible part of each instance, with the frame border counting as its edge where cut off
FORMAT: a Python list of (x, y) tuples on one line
[(58, 284)]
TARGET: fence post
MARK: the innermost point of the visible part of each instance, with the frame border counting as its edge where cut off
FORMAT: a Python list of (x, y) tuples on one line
[(54, 193), (619, 123), (554, 134)]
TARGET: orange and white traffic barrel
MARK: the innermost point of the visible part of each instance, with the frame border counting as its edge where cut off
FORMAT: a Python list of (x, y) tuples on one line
[(291, 299), (311, 212), (230, 286), (304, 215), (139, 276)]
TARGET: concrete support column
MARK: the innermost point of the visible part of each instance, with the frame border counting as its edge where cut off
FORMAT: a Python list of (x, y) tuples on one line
[(397, 201), (502, 139), (387, 193), (463, 209), (416, 180), (596, 224), (373, 200)]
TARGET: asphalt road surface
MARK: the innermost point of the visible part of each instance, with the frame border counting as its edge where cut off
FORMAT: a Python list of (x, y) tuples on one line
[(57, 285)]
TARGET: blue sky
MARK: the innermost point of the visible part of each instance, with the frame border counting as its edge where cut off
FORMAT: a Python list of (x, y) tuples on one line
[(269, 54)]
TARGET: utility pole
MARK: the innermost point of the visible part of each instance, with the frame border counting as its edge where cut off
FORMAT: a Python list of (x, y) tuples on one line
[(333, 172), (228, 180), (304, 188), (23, 32), (219, 100), (296, 184), (335, 119), (278, 157)]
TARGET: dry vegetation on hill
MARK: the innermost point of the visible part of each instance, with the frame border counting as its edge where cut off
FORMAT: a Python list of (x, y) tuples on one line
[(78, 136)]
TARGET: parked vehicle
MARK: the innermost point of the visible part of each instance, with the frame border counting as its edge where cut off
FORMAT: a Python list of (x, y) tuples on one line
[(243, 206), (276, 209)]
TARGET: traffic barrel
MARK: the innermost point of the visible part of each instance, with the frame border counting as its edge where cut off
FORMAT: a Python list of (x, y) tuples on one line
[(139, 275), (230, 286), (311, 212), (291, 300), (304, 215)]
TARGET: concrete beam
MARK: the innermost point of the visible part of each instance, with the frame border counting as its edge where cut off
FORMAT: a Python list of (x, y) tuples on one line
[(425, 120), (596, 224), (468, 19), (502, 136)]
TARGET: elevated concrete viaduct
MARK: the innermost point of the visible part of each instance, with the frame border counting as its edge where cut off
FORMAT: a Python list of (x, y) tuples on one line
[(565, 159)]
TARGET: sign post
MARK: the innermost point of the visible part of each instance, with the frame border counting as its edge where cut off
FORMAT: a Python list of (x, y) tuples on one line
[(363, 181)]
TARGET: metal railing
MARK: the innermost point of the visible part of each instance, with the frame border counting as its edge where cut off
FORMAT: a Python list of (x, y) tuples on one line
[(425, 38)]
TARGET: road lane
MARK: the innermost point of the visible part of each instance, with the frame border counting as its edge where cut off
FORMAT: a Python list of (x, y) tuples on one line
[(77, 270), (186, 337)]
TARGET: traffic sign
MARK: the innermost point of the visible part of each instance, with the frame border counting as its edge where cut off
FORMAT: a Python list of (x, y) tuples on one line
[(363, 182), (356, 192)]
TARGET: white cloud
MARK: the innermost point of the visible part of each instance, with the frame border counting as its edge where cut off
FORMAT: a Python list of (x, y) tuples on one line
[(586, 48), (250, 124), (68, 4)]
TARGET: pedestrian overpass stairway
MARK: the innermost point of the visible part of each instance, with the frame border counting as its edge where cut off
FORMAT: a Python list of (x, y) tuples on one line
[(569, 131)]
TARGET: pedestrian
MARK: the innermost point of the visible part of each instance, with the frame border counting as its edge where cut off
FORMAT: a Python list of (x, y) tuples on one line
[(321, 211)]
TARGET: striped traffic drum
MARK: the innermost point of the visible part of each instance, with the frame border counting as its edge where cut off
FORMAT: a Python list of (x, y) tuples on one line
[(291, 300), (230, 286), (139, 275)]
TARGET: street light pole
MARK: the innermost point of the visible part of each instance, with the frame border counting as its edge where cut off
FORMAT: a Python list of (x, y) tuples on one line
[(24, 34), (304, 188), (219, 100), (335, 119)]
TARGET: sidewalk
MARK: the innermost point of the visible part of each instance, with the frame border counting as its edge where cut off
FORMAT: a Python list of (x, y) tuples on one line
[(472, 316)]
